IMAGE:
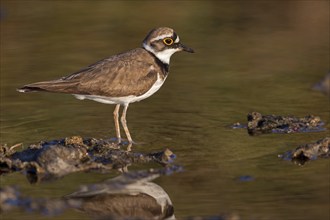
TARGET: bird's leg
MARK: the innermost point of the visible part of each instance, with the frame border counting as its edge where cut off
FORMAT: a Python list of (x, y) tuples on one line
[(115, 117), (124, 124)]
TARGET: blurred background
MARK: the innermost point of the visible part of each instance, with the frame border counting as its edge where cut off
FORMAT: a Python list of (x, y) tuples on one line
[(260, 56)]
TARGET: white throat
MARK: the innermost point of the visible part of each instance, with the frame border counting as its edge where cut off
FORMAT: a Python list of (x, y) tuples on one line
[(164, 55)]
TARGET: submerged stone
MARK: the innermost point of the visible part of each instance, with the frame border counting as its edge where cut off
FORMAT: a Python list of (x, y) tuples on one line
[(324, 85), (246, 178)]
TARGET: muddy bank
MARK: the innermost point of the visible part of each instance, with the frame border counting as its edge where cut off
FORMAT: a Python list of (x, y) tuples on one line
[(260, 124), (56, 158), (311, 151)]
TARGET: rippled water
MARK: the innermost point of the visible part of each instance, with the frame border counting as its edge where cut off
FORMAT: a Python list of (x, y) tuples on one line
[(250, 56)]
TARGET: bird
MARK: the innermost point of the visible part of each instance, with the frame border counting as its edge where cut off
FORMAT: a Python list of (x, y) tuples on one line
[(121, 79)]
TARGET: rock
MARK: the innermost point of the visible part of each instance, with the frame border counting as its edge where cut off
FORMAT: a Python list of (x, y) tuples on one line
[(258, 124), (52, 159), (311, 151)]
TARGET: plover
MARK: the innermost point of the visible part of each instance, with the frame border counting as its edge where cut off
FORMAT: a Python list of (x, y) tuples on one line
[(123, 78)]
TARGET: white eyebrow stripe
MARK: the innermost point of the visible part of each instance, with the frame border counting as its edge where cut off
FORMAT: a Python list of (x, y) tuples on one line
[(161, 37)]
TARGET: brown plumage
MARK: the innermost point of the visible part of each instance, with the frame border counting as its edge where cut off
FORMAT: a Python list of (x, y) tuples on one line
[(130, 73)]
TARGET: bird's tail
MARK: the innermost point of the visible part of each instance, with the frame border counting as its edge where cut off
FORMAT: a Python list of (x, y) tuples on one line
[(28, 88), (61, 86)]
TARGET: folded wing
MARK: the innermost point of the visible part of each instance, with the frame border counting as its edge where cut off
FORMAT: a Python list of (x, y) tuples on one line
[(121, 75)]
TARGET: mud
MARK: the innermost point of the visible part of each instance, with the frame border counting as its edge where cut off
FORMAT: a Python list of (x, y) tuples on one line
[(307, 152), (260, 124), (53, 159)]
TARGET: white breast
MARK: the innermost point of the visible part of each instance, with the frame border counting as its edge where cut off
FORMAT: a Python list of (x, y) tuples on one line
[(125, 99)]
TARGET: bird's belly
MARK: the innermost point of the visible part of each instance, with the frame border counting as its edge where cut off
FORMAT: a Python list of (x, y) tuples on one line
[(125, 99)]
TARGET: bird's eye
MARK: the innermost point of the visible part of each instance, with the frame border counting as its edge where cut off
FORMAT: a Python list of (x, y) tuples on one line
[(168, 41)]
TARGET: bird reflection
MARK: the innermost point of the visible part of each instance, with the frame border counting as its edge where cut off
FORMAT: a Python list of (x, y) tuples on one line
[(129, 196)]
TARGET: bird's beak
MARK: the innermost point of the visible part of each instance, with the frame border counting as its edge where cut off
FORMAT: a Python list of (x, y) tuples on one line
[(185, 48)]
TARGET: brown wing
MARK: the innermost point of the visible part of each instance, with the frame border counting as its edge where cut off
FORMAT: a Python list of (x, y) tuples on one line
[(130, 73)]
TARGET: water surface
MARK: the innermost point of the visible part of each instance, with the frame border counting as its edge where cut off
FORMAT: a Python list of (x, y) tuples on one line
[(260, 56)]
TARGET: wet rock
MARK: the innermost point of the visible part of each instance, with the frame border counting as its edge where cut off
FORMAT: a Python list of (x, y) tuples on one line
[(121, 159), (53, 159), (258, 124), (324, 85), (306, 152)]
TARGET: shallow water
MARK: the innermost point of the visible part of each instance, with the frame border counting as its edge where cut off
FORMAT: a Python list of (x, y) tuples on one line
[(260, 56)]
